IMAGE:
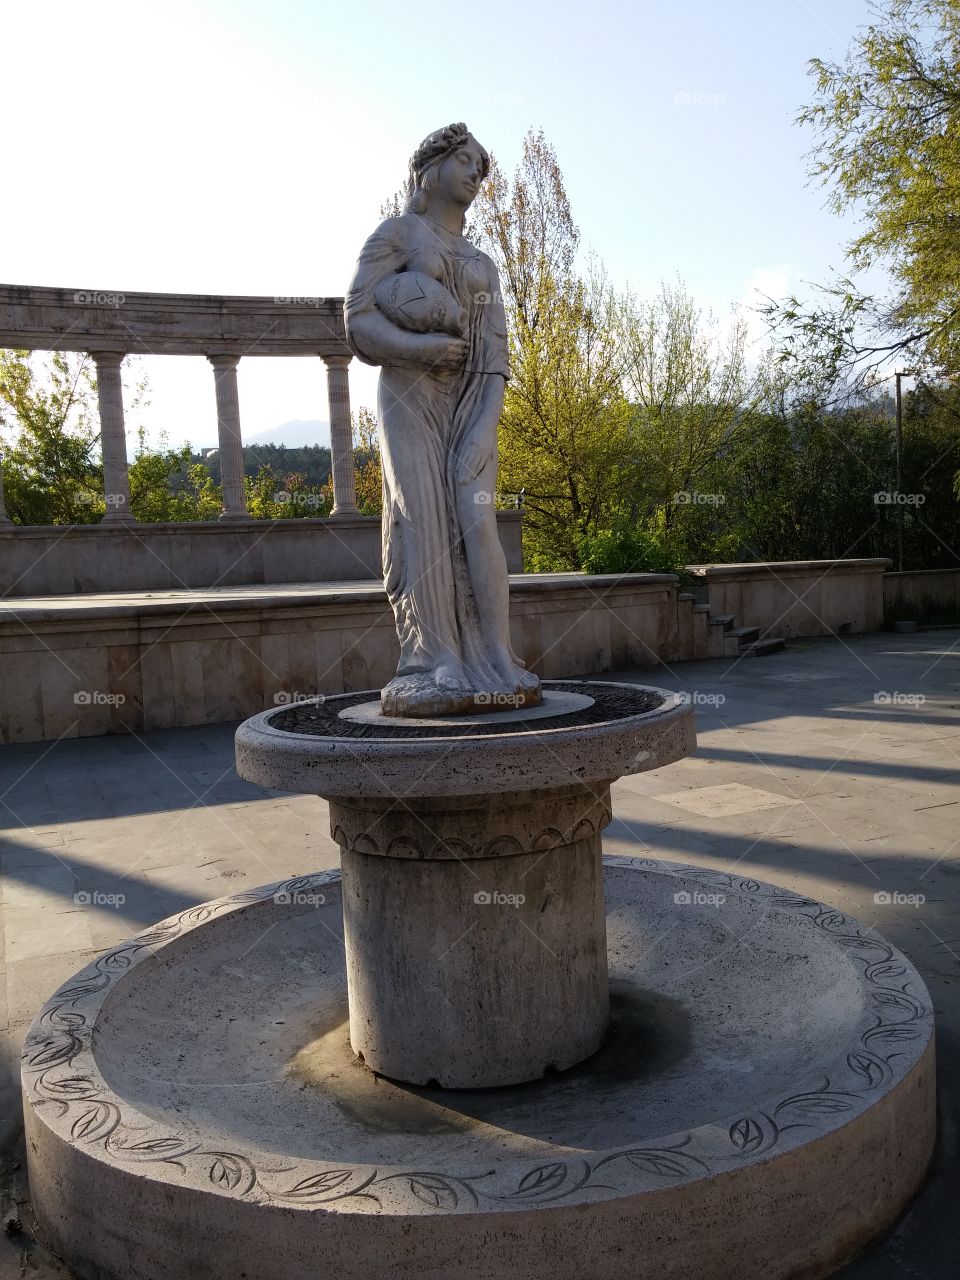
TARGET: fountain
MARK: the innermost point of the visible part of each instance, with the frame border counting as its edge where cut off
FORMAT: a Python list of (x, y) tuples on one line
[(479, 1047)]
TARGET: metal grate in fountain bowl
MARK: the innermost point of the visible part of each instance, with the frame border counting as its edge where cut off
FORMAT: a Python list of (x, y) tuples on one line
[(610, 702)]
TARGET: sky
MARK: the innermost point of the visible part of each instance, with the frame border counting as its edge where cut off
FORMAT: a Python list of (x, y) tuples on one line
[(229, 147)]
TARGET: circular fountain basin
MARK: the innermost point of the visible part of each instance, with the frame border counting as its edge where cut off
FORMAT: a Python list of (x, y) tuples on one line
[(762, 1103)]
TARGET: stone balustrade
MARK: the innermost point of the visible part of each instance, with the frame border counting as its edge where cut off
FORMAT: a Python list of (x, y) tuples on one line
[(108, 326)]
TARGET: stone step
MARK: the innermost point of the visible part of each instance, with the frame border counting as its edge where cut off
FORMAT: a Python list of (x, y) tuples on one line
[(725, 620), (760, 648), (746, 635)]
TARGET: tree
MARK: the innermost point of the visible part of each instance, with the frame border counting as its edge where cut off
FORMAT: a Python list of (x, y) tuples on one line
[(564, 423), (692, 393), (367, 463), (888, 124), (47, 412), (167, 486)]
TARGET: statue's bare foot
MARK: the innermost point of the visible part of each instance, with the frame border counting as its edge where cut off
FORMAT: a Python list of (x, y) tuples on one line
[(515, 673), (449, 674)]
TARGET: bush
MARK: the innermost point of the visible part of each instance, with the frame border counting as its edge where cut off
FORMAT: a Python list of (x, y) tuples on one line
[(626, 548)]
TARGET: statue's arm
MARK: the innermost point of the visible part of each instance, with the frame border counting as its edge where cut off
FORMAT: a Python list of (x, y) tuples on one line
[(377, 340), (371, 336)]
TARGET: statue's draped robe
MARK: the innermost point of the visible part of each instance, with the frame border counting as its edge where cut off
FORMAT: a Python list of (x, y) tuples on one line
[(425, 419)]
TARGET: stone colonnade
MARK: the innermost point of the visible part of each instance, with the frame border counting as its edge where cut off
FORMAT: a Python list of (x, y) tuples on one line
[(116, 484)]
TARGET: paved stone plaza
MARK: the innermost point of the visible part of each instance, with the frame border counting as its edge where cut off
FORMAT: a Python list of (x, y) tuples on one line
[(819, 769)]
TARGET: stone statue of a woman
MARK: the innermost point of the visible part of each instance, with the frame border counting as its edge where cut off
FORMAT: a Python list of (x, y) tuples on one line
[(425, 305)]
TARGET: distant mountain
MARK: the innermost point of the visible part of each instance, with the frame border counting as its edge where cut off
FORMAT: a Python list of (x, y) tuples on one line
[(294, 434)]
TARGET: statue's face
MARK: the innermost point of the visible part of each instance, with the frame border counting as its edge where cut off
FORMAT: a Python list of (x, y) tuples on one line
[(461, 173)]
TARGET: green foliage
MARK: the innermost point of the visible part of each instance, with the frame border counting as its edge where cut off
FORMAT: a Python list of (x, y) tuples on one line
[(626, 548), (888, 117), (368, 466), (888, 146), (47, 415), (311, 461), (563, 432), (289, 497), (166, 485)]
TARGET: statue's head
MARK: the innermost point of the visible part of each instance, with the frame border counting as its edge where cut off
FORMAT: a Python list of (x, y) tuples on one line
[(451, 160)]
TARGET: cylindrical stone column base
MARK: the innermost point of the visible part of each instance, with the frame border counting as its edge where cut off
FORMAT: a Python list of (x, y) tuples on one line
[(475, 934)]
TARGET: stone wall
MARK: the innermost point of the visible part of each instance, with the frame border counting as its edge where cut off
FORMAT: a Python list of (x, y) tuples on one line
[(76, 667), (797, 597), (52, 561), (922, 594)]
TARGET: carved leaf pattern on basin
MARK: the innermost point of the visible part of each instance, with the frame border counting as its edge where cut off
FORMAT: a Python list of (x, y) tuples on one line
[(60, 1068)]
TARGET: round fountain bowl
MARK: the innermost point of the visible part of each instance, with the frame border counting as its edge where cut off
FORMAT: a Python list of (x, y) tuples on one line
[(761, 1105), (585, 731)]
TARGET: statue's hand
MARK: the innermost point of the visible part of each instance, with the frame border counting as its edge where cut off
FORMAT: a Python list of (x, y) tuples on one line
[(440, 353), (471, 461)]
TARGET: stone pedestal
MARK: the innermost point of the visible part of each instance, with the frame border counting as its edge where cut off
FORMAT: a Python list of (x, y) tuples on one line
[(474, 933)]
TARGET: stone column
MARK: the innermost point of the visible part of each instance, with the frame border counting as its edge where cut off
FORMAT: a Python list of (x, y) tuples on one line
[(229, 437), (113, 441), (4, 518), (341, 437)]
